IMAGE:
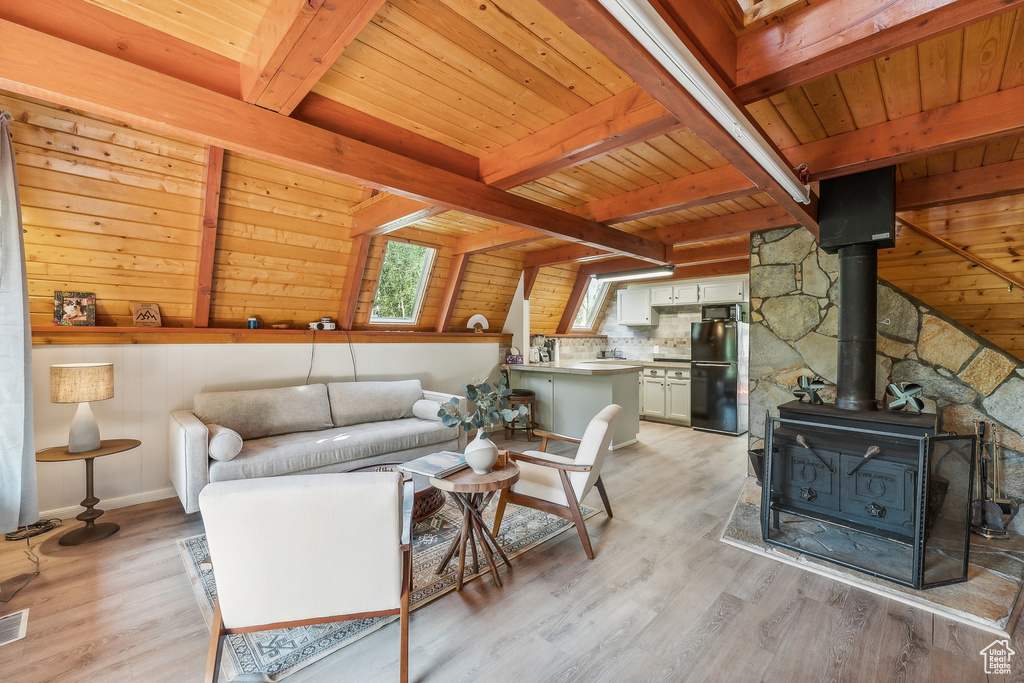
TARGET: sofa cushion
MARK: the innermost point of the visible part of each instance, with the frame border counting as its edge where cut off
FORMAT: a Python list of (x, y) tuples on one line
[(357, 402), (256, 413), (290, 453), (223, 443)]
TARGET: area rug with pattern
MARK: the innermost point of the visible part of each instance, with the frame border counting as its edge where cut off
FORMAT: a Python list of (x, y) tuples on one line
[(272, 655)]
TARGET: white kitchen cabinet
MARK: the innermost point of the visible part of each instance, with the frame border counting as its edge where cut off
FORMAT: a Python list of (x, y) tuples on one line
[(723, 291), (677, 398), (634, 305), (674, 295), (662, 295), (654, 396)]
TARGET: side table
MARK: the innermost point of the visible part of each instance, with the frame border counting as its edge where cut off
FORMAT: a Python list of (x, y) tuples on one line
[(470, 493), (91, 532)]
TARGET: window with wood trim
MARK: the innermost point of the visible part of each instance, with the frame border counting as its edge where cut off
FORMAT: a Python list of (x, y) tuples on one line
[(590, 307), (403, 280)]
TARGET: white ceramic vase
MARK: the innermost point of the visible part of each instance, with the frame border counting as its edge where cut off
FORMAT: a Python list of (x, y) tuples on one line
[(481, 454)]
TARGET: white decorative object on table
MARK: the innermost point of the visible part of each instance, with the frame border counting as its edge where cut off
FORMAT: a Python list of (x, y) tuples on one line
[(481, 454)]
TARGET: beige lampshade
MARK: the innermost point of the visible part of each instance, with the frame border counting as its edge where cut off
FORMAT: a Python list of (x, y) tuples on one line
[(81, 382)]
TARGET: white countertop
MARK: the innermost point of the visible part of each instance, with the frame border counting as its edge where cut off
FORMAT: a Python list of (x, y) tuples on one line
[(604, 366)]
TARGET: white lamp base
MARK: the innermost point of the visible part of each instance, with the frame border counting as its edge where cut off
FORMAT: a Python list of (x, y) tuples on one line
[(85, 433)]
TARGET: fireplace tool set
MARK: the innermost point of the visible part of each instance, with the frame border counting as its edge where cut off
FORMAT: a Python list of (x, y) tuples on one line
[(990, 516)]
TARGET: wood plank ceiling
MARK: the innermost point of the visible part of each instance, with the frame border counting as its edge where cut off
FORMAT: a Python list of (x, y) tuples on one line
[(508, 134)]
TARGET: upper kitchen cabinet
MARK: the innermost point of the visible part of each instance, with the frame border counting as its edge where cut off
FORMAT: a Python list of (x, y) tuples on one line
[(675, 295), (723, 291), (634, 305)]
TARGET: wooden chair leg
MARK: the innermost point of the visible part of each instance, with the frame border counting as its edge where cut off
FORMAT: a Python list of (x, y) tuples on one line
[(403, 618), (214, 650), (604, 496), (499, 512), (574, 511)]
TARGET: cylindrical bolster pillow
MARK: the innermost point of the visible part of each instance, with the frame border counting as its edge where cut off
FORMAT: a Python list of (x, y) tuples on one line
[(224, 443), (426, 409)]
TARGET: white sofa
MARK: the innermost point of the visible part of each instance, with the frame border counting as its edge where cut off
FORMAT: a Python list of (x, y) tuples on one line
[(303, 429)]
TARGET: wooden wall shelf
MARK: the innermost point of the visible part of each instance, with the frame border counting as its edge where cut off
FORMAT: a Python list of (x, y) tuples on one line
[(43, 335)]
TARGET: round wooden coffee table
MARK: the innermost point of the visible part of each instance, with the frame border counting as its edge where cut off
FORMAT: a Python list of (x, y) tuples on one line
[(470, 493), (427, 500)]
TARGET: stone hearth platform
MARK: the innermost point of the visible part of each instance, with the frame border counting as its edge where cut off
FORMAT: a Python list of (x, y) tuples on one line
[(987, 600)]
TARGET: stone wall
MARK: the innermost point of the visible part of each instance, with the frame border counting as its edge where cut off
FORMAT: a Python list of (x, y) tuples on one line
[(794, 329)]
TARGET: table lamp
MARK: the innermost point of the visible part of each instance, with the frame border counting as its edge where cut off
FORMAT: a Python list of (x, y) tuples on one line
[(81, 383)]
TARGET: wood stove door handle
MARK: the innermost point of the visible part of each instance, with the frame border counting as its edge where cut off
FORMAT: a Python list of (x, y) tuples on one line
[(803, 442), (868, 454)]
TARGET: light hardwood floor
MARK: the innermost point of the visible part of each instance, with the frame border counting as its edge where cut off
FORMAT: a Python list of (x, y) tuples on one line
[(664, 600)]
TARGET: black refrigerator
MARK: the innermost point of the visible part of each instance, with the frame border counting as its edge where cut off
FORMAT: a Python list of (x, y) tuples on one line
[(718, 376)]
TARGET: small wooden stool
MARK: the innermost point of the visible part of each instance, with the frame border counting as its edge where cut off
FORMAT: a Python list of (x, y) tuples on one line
[(522, 397)]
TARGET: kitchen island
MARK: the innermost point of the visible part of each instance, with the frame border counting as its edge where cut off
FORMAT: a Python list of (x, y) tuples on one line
[(571, 393)]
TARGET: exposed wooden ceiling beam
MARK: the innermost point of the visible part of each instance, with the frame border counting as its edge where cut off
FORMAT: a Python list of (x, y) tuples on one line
[(529, 280), (984, 182), (721, 227), (967, 123), (356, 266), (79, 22), (325, 113), (706, 187), (710, 253), (295, 44), (563, 254), (600, 29), (573, 302), (39, 65), (630, 117), (388, 212), (451, 292), (706, 32), (213, 174), (827, 37), (498, 238), (726, 265)]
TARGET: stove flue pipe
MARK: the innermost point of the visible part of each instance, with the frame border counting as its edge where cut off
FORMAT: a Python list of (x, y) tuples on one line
[(858, 309)]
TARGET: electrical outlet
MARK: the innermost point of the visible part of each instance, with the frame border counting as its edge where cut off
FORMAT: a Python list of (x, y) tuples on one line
[(657, 349)]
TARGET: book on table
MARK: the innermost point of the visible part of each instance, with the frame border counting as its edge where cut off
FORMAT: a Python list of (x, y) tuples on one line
[(438, 465)]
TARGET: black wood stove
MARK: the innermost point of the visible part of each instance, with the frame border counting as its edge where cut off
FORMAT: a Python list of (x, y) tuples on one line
[(873, 490)]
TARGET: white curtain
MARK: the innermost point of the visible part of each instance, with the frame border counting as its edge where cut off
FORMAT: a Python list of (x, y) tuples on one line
[(19, 504)]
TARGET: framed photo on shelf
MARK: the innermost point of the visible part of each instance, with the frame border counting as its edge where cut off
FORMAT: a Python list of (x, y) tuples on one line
[(74, 308)]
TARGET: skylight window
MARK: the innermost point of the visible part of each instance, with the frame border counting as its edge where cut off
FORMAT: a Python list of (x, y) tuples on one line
[(403, 281), (586, 317)]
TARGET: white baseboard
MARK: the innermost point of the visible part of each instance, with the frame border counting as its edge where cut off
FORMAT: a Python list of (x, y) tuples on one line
[(111, 503)]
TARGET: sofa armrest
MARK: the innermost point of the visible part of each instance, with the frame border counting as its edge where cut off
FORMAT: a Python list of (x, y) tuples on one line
[(442, 397), (189, 457)]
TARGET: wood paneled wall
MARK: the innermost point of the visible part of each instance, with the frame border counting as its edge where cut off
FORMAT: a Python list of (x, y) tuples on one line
[(282, 244), (967, 293), (550, 293), (488, 287), (107, 209)]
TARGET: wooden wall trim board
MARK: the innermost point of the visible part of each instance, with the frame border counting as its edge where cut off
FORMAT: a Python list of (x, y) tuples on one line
[(707, 187), (625, 119), (41, 66), (955, 126), (44, 335), (597, 26), (296, 43), (827, 37), (212, 179), (969, 185), (451, 291)]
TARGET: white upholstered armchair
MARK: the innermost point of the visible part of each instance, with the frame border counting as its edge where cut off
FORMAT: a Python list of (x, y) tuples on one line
[(306, 549), (555, 483)]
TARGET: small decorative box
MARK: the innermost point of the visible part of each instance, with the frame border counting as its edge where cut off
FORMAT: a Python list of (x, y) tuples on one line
[(511, 359)]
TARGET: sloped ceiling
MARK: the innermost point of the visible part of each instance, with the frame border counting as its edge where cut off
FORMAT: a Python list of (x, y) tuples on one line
[(510, 135)]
